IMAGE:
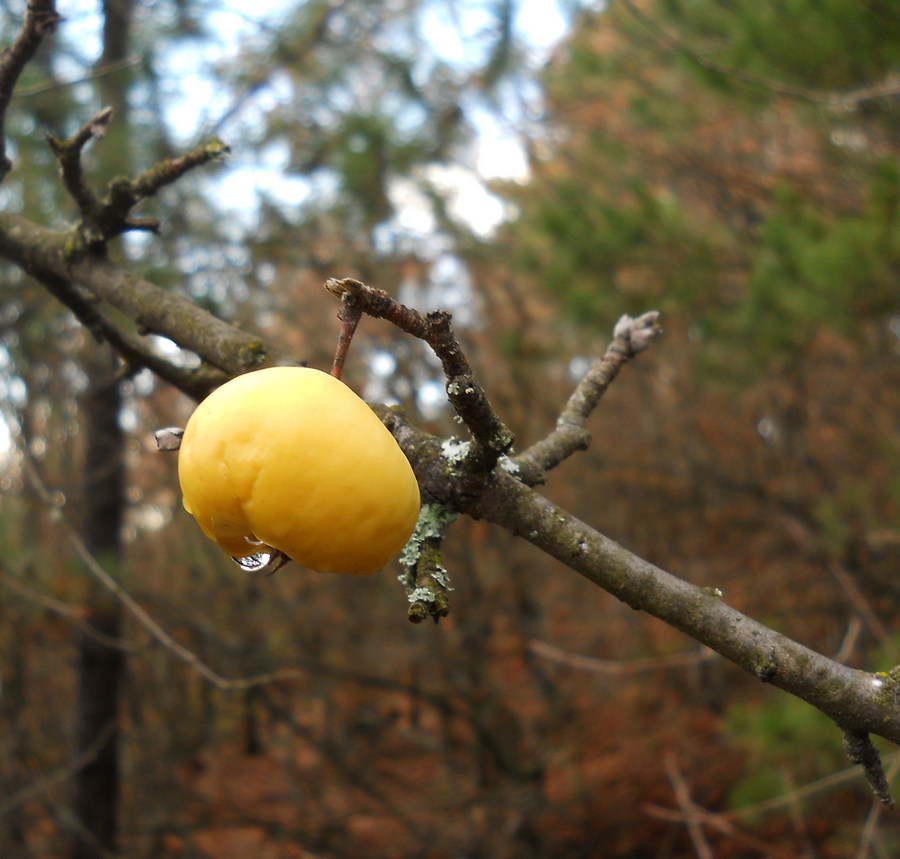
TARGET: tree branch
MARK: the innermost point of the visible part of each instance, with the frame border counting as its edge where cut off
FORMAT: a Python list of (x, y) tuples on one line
[(857, 701), (492, 438), (41, 19), (102, 220), (43, 253), (630, 337), (134, 349)]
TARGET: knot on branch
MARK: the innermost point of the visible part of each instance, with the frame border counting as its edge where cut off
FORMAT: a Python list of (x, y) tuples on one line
[(425, 578), (636, 334)]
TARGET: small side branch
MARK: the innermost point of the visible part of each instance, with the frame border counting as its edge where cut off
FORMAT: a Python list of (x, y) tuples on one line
[(105, 219), (41, 19), (630, 336), (860, 750), (492, 438)]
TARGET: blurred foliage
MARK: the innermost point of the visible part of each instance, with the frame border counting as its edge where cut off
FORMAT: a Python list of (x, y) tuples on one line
[(762, 218), (781, 730)]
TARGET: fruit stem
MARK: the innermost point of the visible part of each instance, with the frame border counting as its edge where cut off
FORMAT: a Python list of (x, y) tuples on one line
[(349, 315)]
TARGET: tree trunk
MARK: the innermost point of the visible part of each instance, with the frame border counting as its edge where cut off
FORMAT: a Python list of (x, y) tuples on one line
[(100, 667)]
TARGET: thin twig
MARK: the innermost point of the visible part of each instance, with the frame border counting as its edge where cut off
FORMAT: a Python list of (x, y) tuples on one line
[(52, 86), (851, 637), (811, 789), (720, 823), (862, 751), (617, 669), (492, 438), (68, 153), (689, 815), (864, 607), (630, 337), (75, 614), (144, 619), (102, 220), (64, 773), (877, 809)]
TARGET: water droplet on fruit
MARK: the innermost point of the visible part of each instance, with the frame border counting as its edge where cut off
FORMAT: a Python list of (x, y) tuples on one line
[(267, 561)]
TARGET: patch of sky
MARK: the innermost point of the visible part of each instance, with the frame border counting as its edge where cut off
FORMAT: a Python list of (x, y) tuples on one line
[(578, 367), (431, 399), (448, 286), (170, 350)]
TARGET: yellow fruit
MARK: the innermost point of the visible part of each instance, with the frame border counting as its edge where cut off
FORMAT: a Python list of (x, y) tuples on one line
[(291, 458)]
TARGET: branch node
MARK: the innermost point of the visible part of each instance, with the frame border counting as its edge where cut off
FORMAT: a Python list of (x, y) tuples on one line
[(168, 438)]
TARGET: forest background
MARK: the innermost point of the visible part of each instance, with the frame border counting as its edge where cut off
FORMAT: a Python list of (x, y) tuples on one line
[(732, 165)]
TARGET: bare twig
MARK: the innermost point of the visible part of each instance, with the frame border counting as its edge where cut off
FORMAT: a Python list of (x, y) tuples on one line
[(61, 775), (718, 822), (41, 19), (102, 220), (864, 607), (851, 637), (618, 669), (95, 74), (686, 804), (860, 750), (75, 614), (630, 337), (141, 616), (675, 660), (147, 183), (871, 827), (68, 153), (492, 438)]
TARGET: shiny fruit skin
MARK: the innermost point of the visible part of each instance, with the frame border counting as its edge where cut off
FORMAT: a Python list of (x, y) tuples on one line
[(291, 458)]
